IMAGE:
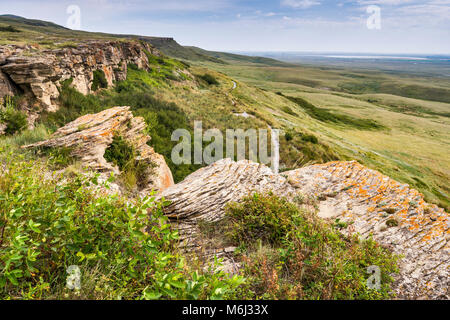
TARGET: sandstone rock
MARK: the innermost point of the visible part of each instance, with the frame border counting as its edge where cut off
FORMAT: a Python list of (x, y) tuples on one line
[(365, 197), (90, 135), (349, 191), (6, 86), (39, 73)]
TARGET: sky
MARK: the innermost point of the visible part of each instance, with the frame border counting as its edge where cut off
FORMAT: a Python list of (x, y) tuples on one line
[(357, 26)]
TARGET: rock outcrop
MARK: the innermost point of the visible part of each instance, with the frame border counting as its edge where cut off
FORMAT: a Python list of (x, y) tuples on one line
[(396, 215), (202, 196), (89, 136), (38, 73)]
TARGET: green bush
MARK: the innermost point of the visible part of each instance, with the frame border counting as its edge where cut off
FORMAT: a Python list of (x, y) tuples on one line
[(290, 253), (125, 249), (9, 29), (288, 110), (209, 79), (14, 119), (123, 155), (99, 80), (310, 138), (288, 136), (60, 157)]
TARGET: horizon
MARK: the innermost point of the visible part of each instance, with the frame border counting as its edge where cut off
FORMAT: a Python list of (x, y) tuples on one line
[(346, 26)]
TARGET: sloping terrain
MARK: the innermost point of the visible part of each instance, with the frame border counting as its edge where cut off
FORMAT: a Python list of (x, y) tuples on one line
[(359, 199), (69, 90)]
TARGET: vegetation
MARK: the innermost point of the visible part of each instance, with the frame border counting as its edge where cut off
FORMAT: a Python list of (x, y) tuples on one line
[(289, 253), (99, 80), (327, 116), (15, 120), (121, 251), (123, 155), (162, 118), (8, 29), (209, 79)]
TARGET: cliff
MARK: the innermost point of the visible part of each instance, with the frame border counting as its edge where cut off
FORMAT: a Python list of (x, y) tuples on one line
[(38, 73)]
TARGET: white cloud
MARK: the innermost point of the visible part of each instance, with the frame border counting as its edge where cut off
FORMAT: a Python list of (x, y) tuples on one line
[(300, 4), (385, 2)]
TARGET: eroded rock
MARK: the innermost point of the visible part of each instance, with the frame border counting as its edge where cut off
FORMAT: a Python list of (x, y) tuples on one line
[(90, 135), (364, 198), (396, 215), (38, 73)]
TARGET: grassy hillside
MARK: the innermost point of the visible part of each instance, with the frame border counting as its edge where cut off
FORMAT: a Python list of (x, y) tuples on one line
[(412, 141), (51, 216), (233, 58), (396, 124)]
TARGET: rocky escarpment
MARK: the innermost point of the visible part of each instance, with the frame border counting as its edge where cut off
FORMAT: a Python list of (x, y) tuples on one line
[(369, 202), (38, 73), (89, 136)]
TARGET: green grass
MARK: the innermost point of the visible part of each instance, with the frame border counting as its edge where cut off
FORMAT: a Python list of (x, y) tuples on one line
[(289, 253), (209, 79), (401, 137), (120, 250), (99, 80), (14, 119), (8, 29), (162, 117), (134, 173), (325, 115)]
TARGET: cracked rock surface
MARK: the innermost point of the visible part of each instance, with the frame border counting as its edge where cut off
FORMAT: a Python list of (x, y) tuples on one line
[(395, 214), (90, 135)]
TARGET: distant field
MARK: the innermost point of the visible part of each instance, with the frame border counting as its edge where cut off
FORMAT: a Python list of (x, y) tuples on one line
[(413, 144)]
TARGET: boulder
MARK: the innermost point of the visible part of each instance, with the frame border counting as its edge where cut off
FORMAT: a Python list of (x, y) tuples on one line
[(90, 135), (373, 204)]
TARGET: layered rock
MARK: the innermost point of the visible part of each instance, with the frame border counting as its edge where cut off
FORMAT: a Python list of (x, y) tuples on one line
[(89, 136), (202, 196), (396, 215), (38, 73)]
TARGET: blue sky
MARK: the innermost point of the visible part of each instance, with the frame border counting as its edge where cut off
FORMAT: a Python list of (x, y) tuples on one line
[(407, 26)]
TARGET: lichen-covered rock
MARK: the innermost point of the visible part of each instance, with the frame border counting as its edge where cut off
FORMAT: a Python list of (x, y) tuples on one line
[(38, 73), (395, 214), (202, 196), (371, 203), (90, 135)]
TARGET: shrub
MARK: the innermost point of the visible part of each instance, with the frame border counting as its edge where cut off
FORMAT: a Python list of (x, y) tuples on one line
[(60, 157), (161, 117), (99, 80), (209, 79), (9, 29), (123, 155), (14, 119), (288, 110), (290, 253), (310, 138), (122, 251), (288, 136)]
